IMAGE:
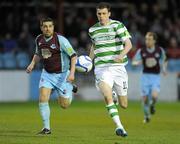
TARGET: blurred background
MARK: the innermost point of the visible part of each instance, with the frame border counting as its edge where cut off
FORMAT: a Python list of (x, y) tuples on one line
[(19, 26)]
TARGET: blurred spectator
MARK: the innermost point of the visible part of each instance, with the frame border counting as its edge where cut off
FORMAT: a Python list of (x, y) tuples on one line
[(173, 50), (23, 44), (1, 46), (21, 23), (9, 44)]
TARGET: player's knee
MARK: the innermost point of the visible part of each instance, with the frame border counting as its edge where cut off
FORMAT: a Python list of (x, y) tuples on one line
[(123, 101), (124, 105), (63, 102), (43, 98), (64, 106)]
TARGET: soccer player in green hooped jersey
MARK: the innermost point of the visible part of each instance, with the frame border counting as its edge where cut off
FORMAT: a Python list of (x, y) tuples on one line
[(110, 45)]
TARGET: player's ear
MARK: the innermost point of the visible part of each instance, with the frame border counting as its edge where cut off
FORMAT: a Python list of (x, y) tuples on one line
[(109, 14), (154, 41), (41, 27)]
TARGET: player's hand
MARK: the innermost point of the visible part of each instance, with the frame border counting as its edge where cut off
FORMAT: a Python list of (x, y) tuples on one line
[(119, 59), (136, 63), (30, 68), (70, 78), (165, 73)]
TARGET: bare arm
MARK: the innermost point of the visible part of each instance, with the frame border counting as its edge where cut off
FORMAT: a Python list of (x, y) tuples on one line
[(164, 67), (164, 62), (31, 66), (91, 54), (127, 47), (137, 60), (71, 76)]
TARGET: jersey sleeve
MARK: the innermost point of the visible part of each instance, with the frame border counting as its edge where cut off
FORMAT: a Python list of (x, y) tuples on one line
[(90, 35), (163, 55), (122, 32), (37, 51), (66, 46), (137, 56)]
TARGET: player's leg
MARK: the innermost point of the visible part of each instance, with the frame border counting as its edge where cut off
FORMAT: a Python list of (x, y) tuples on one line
[(155, 92), (145, 93), (115, 97), (45, 92), (121, 87), (65, 90), (145, 103), (121, 95), (44, 109), (106, 91), (153, 101), (123, 101), (64, 100), (104, 83)]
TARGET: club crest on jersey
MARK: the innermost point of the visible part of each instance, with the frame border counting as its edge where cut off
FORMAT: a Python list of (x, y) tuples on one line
[(53, 46), (110, 30)]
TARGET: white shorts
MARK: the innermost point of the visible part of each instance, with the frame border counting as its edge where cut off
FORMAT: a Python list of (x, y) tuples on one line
[(115, 76)]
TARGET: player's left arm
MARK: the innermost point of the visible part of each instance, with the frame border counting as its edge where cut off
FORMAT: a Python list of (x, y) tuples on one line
[(73, 58), (127, 48), (164, 62), (127, 43), (71, 76)]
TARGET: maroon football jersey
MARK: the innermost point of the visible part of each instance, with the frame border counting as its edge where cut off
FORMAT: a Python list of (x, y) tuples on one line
[(151, 60), (50, 53)]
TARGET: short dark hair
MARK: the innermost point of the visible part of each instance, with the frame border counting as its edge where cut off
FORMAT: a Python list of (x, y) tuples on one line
[(153, 34), (47, 19), (103, 5)]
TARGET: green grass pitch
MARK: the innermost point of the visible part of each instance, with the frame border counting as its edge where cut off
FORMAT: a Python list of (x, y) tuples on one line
[(88, 123)]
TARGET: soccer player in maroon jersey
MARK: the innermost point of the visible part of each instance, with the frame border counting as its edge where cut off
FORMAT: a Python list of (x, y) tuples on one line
[(151, 57), (58, 72)]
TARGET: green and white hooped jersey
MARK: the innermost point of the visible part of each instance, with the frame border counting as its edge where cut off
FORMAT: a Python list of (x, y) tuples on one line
[(108, 43)]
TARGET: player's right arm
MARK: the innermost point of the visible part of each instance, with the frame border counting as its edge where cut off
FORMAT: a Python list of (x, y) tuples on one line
[(35, 59), (31, 66), (137, 60), (91, 54)]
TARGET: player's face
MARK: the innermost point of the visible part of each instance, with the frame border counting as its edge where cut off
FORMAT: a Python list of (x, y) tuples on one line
[(103, 16), (150, 42), (47, 29)]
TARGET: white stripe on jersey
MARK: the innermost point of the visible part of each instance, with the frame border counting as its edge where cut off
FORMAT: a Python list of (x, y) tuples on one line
[(106, 58), (106, 49)]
